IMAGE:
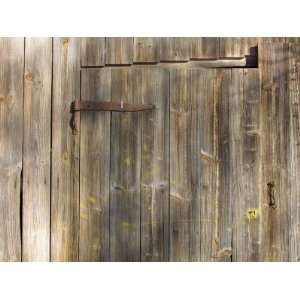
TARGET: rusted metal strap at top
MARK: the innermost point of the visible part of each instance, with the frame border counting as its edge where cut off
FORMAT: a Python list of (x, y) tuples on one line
[(78, 106), (109, 106)]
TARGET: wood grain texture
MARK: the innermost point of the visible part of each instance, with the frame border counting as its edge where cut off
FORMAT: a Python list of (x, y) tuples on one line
[(175, 49), (275, 119), (180, 176), (245, 163), (146, 50), (193, 164), (294, 40), (36, 150), (92, 51), (294, 153), (125, 173), (224, 205), (119, 51), (95, 168), (153, 88), (272, 39), (11, 136), (205, 48), (204, 98), (237, 46), (65, 151)]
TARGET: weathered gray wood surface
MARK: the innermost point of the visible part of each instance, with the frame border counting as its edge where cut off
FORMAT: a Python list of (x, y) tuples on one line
[(205, 48), (11, 139), (125, 169), (275, 124), (293, 152), (191, 180), (244, 143), (95, 168), (146, 50), (36, 149), (153, 87), (65, 151), (119, 51), (237, 47), (92, 51)]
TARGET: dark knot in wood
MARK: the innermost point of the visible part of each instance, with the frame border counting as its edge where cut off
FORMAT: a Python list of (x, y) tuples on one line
[(271, 194)]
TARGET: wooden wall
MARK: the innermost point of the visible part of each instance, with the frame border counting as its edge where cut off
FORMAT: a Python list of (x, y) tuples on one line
[(225, 142)]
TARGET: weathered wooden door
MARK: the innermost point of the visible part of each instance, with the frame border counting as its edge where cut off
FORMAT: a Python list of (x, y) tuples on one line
[(164, 184), (212, 173)]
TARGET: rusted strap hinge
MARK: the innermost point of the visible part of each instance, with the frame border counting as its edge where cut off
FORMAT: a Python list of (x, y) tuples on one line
[(78, 106)]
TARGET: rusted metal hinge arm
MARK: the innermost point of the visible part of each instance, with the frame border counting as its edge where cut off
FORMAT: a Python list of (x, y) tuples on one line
[(78, 106), (110, 106)]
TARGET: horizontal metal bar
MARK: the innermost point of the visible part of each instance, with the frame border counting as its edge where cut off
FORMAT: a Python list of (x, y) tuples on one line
[(110, 106)]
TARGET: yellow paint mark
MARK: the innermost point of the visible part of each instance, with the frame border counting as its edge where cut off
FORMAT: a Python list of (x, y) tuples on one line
[(145, 147), (83, 216), (127, 161), (252, 214), (92, 200), (128, 225)]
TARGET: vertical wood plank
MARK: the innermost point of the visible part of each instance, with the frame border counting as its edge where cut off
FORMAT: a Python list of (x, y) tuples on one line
[(245, 163), (273, 39), (294, 153), (11, 136), (184, 168), (94, 168), (125, 170), (146, 50), (295, 40), (274, 124), (203, 93), (119, 51), (154, 89), (192, 164), (205, 48), (92, 51), (237, 46), (223, 236), (65, 151), (180, 184), (175, 49), (36, 150)]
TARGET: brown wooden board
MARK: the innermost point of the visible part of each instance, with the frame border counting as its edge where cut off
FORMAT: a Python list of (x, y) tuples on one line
[(153, 88), (237, 46), (92, 51), (119, 51), (204, 99), (125, 173), (146, 50), (294, 153), (244, 137), (175, 49), (95, 168), (275, 122), (205, 48), (224, 205), (11, 136), (65, 151), (36, 150), (181, 188)]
